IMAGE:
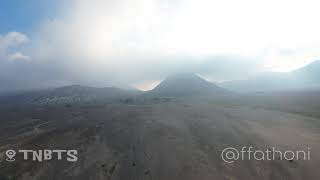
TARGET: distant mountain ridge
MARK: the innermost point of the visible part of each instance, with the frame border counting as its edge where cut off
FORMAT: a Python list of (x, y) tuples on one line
[(187, 84), (68, 94), (307, 77), (180, 85)]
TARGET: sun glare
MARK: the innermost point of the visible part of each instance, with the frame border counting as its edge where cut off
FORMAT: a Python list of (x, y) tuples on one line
[(146, 85)]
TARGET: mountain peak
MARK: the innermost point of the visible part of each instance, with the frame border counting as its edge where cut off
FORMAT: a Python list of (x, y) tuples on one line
[(187, 84), (312, 68), (183, 75), (306, 77), (316, 62)]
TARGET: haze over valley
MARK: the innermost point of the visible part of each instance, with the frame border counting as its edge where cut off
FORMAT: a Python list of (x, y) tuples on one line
[(159, 90), (175, 131)]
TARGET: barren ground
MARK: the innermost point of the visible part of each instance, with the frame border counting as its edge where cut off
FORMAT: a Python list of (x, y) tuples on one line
[(175, 140)]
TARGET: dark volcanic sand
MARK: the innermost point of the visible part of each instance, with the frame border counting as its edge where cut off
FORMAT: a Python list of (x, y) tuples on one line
[(175, 140)]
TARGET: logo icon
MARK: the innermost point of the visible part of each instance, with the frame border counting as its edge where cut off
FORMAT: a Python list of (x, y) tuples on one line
[(10, 154)]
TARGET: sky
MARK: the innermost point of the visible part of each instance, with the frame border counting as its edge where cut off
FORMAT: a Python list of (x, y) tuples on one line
[(50, 43)]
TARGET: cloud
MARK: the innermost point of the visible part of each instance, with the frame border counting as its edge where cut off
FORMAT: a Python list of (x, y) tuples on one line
[(18, 56), (128, 41), (107, 32), (106, 42), (285, 60), (9, 43), (13, 39)]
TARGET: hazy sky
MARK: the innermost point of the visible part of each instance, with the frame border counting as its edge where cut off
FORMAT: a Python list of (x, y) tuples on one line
[(138, 42)]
